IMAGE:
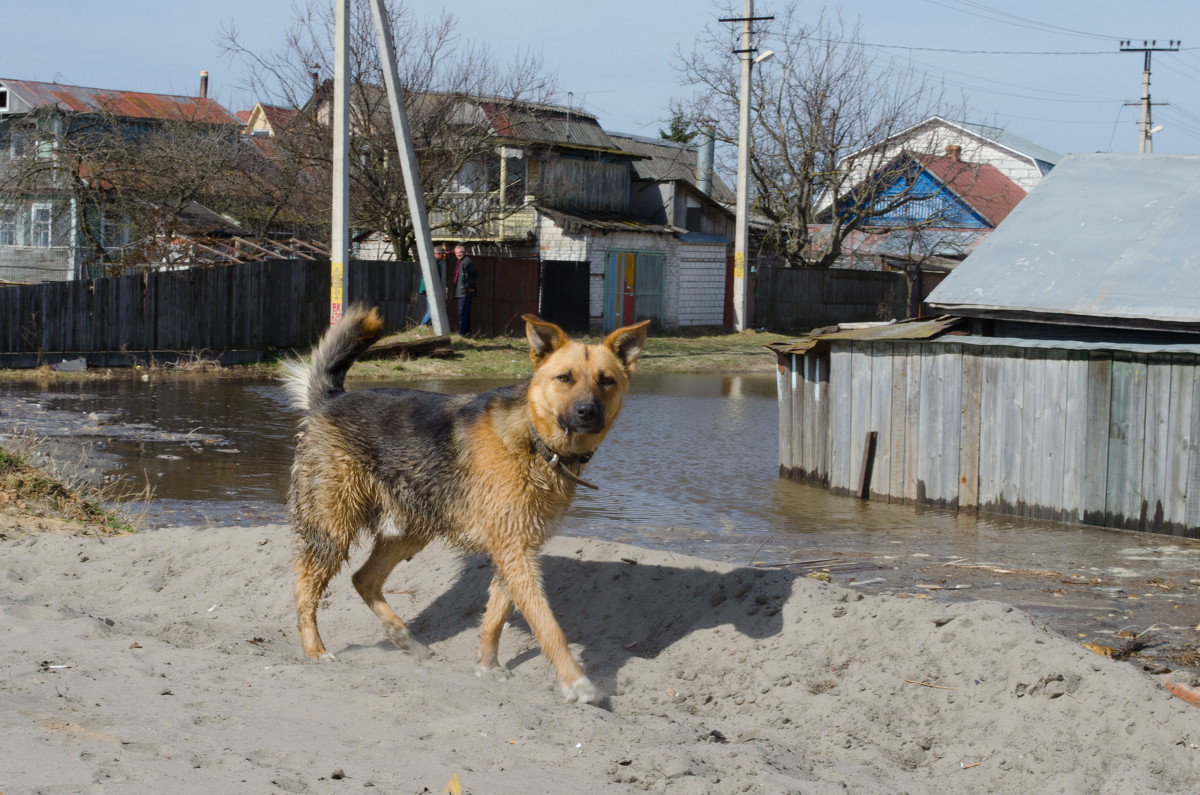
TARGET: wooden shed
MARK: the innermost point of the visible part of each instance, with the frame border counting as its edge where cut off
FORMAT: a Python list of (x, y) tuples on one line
[(1062, 382), (1095, 433)]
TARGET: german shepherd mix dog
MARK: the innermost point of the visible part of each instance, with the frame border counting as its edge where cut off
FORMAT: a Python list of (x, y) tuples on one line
[(490, 473)]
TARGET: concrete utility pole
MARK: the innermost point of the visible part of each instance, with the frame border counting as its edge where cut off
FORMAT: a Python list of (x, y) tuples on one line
[(741, 233), (1145, 131), (434, 290), (339, 245)]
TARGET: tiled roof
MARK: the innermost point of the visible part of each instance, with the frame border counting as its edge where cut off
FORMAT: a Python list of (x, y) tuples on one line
[(983, 187)]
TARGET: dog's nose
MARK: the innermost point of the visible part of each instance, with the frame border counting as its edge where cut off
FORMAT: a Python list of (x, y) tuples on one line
[(587, 413)]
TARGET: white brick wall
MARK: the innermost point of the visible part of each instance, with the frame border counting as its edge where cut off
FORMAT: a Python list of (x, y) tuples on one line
[(701, 284)]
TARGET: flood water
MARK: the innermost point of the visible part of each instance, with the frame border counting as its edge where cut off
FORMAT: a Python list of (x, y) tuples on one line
[(691, 466)]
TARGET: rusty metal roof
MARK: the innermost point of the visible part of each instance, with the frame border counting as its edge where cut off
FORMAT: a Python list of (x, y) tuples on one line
[(921, 329), (125, 104)]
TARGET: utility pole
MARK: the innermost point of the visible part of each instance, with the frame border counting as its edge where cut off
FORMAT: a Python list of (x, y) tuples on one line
[(339, 244), (741, 235), (1146, 133), (434, 289)]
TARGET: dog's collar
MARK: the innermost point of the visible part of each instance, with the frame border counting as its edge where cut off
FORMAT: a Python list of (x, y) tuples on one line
[(560, 462)]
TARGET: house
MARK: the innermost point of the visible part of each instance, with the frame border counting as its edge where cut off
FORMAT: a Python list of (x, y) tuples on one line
[(948, 207), (617, 222), (1019, 159), (266, 120), (1058, 382), (55, 220), (953, 181)]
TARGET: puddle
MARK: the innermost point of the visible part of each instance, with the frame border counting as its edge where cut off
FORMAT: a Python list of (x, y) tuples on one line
[(690, 467)]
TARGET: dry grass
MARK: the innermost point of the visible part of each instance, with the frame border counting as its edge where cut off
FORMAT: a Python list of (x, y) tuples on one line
[(508, 357), (694, 351), (33, 500)]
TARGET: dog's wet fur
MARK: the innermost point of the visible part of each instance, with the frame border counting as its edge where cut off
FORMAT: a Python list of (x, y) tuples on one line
[(491, 473)]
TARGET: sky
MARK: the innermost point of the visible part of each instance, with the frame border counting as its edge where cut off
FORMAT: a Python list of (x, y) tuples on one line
[(615, 58)]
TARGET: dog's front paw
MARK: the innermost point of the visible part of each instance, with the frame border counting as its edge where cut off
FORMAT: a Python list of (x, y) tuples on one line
[(581, 690), (402, 640), (494, 670)]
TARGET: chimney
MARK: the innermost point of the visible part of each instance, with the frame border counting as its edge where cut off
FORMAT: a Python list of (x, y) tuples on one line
[(706, 146), (204, 85), (954, 152)]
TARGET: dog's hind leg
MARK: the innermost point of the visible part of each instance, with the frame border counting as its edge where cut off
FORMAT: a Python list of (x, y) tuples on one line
[(523, 576), (369, 580), (498, 607), (314, 569)]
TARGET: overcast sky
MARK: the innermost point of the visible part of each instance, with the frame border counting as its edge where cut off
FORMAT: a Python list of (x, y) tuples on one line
[(616, 56)]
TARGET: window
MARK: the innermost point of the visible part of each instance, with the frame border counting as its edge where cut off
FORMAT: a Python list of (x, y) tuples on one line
[(8, 227), (693, 216), (3, 99), (39, 226), (114, 231)]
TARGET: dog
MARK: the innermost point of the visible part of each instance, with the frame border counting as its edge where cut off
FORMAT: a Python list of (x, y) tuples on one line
[(491, 473)]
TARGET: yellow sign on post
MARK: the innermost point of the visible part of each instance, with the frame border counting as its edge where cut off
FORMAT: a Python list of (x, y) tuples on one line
[(739, 265), (335, 292)]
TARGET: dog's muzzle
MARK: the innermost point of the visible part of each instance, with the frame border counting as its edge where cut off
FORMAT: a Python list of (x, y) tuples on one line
[(586, 416)]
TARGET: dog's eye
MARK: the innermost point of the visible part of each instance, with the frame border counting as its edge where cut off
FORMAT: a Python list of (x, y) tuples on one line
[(566, 378), (606, 380)]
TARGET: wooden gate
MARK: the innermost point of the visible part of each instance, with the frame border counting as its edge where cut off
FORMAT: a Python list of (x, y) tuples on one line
[(507, 289)]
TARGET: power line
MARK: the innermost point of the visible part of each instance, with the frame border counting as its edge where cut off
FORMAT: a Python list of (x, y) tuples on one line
[(963, 52), (996, 15)]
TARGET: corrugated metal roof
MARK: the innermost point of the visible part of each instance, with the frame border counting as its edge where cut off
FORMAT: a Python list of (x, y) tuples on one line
[(668, 160), (538, 123), (904, 330), (1076, 345), (1103, 236), (903, 243), (1010, 141), (575, 220), (125, 104)]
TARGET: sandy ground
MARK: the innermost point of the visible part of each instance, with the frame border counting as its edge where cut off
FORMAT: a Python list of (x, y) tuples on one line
[(168, 662)]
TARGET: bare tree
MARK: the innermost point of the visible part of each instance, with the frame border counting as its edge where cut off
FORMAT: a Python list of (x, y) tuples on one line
[(820, 108), (128, 187), (447, 81)]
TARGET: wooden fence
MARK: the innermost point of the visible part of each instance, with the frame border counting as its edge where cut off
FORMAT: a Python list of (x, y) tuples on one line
[(1101, 437), (255, 306), (797, 298)]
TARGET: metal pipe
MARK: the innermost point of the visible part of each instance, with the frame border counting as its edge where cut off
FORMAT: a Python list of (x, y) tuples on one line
[(704, 159)]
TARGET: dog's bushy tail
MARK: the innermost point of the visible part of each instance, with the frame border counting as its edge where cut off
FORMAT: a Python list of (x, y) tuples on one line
[(310, 383)]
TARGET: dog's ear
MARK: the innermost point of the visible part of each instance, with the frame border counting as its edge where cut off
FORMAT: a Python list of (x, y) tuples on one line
[(627, 343), (544, 338)]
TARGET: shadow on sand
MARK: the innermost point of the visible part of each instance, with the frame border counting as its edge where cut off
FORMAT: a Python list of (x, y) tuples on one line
[(619, 610)]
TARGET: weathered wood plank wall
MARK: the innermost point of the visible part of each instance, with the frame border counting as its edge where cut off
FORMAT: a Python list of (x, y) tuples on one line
[(1097, 437), (796, 298), (254, 306)]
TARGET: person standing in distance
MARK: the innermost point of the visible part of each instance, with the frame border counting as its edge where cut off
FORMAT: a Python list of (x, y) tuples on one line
[(439, 256), (464, 286)]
